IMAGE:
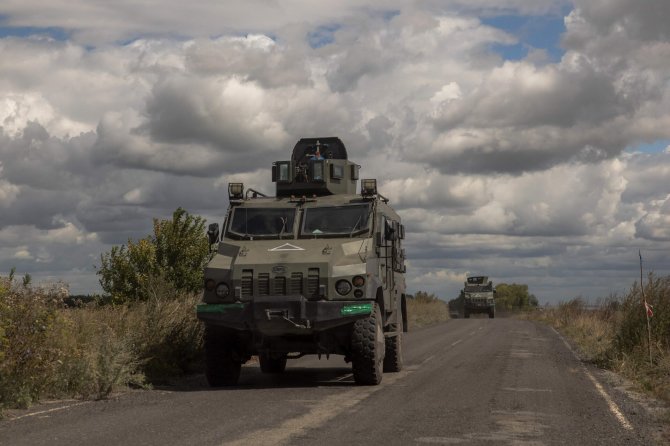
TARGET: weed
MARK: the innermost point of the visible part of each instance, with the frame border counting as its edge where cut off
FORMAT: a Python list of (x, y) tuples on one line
[(422, 311), (614, 334), (48, 349)]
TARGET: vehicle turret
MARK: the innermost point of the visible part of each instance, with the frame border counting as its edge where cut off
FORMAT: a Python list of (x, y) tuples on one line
[(318, 166)]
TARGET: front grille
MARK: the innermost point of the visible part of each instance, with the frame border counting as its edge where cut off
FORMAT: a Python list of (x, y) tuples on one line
[(280, 285), (247, 282), (312, 282), (295, 284), (263, 284)]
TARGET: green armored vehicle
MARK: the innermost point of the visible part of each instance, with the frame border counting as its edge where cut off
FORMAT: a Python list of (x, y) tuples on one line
[(478, 296), (317, 269)]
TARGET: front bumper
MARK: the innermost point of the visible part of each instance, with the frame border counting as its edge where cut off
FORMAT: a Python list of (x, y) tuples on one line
[(284, 315), (479, 305)]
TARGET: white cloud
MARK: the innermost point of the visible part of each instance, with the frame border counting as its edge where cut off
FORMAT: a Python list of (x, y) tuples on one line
[(23, 254), (514, 169)]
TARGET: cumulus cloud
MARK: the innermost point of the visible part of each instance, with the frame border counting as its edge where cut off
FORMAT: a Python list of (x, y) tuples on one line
[(646, 21), (517, 169)]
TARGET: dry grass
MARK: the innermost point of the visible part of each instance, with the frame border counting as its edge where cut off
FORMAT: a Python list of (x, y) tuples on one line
[(614, 335), (49, 350), (425, 312)]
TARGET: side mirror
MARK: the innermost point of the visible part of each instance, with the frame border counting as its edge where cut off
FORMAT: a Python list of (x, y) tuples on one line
[(213, 233)]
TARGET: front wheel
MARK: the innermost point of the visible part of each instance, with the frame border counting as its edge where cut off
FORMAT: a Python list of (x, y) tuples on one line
[(222, 364), (368, 349), (492, 313)]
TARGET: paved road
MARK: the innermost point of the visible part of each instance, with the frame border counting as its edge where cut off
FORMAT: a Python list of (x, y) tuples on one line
[(466, 382)]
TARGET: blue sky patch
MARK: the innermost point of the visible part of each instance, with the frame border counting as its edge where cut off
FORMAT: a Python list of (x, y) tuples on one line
[(511, 52), (322, 36), (389, 15), (658, 146), (541, 32), (26, 31)]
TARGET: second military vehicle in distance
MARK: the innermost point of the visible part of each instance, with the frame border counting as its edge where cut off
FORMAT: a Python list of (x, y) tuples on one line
[(317, 269), (478, 296)]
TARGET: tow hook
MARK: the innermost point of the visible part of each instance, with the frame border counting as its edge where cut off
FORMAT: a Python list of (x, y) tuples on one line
[(283, 314)]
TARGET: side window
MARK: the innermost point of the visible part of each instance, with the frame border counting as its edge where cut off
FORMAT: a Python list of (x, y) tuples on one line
[(381, 231), (390, 230)]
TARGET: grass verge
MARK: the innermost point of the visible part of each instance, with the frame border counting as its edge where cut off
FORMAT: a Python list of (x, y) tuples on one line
[(49, 350), (614, 334), (426, 309)]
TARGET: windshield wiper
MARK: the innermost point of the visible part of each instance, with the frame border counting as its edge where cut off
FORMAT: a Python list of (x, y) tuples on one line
[(283, 226), (351, 234)]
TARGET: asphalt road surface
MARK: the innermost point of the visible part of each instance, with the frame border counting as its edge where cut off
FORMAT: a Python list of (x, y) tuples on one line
[(465, 382)]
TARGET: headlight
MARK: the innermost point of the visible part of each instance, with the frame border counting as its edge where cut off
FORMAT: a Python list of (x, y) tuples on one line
[(343, 287), (209, 284), (358, 281), (222, 290)]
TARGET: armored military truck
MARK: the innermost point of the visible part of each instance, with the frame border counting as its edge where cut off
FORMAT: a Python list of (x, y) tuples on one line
[(478, 296), (318, 269)]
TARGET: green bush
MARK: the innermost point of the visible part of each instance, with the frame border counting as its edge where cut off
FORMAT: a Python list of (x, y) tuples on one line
[(514, 297), (632, 331), (176, 252)]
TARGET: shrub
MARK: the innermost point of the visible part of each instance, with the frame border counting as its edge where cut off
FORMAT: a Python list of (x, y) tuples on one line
[(51, 350), (632, 331), (168, 336), (32, 343), (176, 252)]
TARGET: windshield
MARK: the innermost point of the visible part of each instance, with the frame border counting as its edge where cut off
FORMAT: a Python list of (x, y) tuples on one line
[(262, 222), (336, 220)]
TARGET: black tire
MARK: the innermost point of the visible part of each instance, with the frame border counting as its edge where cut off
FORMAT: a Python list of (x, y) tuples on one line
[(272, 364), (222, 364), (368, 349), (403, 309), (492, 314), (466, 315), (393, 357)]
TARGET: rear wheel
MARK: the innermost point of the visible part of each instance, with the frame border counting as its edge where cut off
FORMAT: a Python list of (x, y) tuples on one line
[(393, 357), (272, 363), (222, 364), (492, 313), (393, 354), (368, 349), (466, 314)]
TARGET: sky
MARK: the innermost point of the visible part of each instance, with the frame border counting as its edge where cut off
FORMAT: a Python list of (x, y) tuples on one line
[(526, 141)]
